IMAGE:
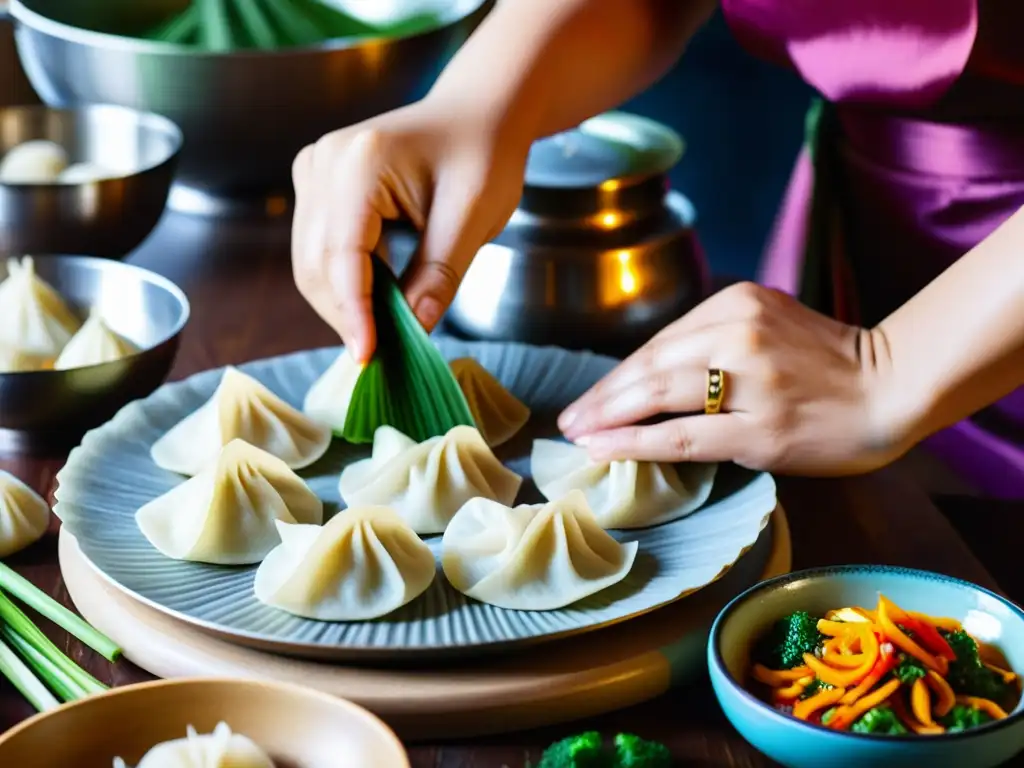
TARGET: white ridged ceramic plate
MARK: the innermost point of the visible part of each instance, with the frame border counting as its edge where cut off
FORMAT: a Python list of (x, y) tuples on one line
[(111, 475)]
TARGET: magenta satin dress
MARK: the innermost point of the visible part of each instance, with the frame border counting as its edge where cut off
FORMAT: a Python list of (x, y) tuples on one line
[(916, 155)]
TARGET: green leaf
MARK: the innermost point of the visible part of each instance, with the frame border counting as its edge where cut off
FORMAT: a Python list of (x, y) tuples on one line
[(255, 24), (215, 25), (182, 29), (407, 384)]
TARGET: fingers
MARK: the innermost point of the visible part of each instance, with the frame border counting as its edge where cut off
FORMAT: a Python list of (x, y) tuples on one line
[(722, 437)]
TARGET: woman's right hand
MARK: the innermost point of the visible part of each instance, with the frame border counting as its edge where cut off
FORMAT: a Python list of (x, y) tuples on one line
[(453, 175)]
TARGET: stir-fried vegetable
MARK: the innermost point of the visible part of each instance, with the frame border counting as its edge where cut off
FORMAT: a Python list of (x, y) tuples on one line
[(885, 671), (587, 750)]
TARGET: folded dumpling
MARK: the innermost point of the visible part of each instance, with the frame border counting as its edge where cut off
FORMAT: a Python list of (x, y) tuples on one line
[(327, 400), (94, 343), (24, 515), (14, 360), (427, 483), (244, 409), (220, 749), (622, 494), (33, 317), (534, 557), (364, 563), (226, 513), (496, 411), (33, 162)]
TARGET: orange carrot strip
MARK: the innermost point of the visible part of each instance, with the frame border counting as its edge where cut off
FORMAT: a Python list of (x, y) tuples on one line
[(910, 721), (846, 716), (847, 677), (836, 628), (899, 639), (1008, 677), (833, 655), (939, 622), (791, 692), (884, 665), (990, 708), (941, 689), (921, 702), (804, 709), (777, 678)]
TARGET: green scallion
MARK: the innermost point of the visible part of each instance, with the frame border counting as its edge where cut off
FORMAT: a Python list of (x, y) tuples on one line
[(331, 22), (292, 25), (407, 384), (21, 677), (215, 25), (255, 24), (18, 586), (45, 668), (182, 29)]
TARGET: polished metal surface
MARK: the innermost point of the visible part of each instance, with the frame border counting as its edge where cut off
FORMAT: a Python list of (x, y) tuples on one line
[(49, 411), (107, 218), (245, 115)]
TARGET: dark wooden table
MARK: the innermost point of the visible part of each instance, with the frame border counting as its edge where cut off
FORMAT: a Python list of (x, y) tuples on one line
[(244, 306)]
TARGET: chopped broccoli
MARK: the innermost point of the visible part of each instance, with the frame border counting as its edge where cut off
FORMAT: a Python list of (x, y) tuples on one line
[(789, 639), (817, 686), (968, 676), (962, 718), (908, 669), (881, 721), (828, 714), (634, 752), (582, 751)]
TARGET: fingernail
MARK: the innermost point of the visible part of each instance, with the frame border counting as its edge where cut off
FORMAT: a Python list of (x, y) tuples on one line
[(566, 419), (428, 311), (582, 441)]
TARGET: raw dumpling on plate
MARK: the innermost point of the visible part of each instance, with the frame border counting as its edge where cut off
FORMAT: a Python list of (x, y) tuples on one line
[(33, 162), (496, 411), (363, 564), (94, 343), (327, 400), (33, 317), (534, 557), (24, 515), (226, 513), (427, 483), (220, 749), (622, 494), (244, 409)]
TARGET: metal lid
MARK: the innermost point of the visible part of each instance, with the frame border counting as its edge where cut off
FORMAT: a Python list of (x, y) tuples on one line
[(613, 147)]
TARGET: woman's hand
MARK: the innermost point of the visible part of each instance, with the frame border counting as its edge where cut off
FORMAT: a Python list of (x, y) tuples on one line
[(801, 393), (452, 175)]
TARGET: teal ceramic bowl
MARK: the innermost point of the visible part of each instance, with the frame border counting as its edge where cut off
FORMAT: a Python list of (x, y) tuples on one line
[(797, 744)]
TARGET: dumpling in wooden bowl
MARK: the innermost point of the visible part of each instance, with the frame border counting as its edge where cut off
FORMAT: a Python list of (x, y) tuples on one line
[(24, 515), (622, 494), (496, 411), (534, 557), (364, 563), (220, 749), (241, 408), (225, 514)]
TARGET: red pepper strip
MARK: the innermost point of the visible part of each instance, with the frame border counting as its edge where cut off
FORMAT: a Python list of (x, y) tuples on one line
[(929, 636)]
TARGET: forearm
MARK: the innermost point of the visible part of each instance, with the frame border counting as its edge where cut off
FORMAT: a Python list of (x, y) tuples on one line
[(958, 345), (536, 67)]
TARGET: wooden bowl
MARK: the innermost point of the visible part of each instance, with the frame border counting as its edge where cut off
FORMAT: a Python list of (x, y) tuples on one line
[(298, 727)]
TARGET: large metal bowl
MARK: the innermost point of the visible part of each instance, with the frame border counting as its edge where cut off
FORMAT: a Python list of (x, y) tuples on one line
[(245, 115), (109, 217), (49, 411)]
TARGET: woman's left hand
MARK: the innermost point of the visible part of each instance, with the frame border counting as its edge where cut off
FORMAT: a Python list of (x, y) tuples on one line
[(802, 391)]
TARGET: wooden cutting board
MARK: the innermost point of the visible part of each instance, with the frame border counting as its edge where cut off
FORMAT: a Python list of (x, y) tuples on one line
[(544, 684)]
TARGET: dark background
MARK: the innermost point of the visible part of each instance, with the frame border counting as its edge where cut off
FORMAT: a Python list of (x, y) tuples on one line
[(742, 121)]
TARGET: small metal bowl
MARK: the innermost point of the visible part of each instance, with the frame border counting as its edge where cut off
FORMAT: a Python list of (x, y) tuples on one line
[(108, 217), (49, 411)]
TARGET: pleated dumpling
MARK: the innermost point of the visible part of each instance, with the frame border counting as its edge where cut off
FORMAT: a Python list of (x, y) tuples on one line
[(33, 317), (534, 557), (427, 483), (220, 749), (14, 360), (496, 411), (622, 494), (364, 563), (244, 409), (33, 162), (94, 343), (24, 515), (327, 400), (226, 513)]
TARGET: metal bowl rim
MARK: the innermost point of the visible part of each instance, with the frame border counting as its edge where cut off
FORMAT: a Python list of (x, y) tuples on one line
[(145, 275), (36, 21), (150, 121)]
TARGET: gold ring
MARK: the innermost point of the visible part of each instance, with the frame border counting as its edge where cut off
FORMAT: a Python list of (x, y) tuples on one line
[(716, 391)]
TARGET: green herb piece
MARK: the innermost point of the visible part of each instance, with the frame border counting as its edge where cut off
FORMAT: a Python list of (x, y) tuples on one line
[(54, 677), (21, 677), (908, 669), (215, 25), (582, 751), (817, 686), (788, 640), (255, 24), (18, 586), (633, 752), (969, 676), (181, 29), (408, 384), (962, 718), (881, 721), (332, 22), (292, 25), (827, 715)]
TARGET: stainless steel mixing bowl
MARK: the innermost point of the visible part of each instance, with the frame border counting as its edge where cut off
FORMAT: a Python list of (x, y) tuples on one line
[(245, 115), (109, 217), (49, 411)]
